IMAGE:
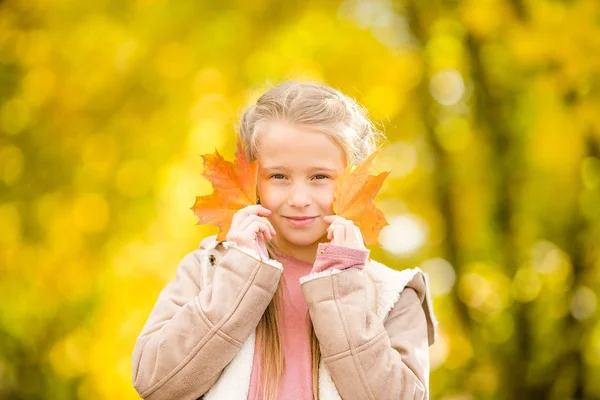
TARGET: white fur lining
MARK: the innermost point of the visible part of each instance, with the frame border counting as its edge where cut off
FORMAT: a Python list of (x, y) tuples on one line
[(315, 275), (209, 243), (234, 382), (327, 389), (253, 253), (391, 283)]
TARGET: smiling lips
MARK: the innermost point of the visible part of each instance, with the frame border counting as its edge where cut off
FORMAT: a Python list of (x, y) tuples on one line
[(300, 222)]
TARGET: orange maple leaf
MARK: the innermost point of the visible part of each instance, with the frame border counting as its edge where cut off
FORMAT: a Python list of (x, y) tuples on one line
[(234, 187), (354, 198)]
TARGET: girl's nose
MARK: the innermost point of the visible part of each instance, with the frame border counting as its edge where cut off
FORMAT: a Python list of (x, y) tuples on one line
[(299, 199)]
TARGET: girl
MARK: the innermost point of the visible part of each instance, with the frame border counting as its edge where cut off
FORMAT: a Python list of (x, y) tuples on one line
[(307, 315)]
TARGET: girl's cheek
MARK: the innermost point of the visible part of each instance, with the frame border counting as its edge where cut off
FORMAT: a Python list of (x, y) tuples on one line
[(328, 193), (326, 202), (264, 189)]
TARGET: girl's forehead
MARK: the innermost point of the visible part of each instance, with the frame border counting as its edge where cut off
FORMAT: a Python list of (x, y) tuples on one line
[(281, 144)]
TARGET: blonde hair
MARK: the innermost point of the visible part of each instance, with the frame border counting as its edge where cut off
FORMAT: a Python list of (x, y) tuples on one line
[(327, 110)]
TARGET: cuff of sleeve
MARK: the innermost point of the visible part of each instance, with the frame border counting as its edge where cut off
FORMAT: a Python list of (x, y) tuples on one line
[(254, 254), (332, 256)]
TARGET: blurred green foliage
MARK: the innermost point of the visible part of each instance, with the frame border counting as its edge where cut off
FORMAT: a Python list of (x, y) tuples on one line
[(492, 109)]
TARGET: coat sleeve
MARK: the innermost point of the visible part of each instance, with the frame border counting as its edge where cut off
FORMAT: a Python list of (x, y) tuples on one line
[(192, 333), (368, 358)]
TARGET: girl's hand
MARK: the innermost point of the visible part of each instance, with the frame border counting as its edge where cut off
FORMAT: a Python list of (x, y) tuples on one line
[(250, 228), (343, 232)]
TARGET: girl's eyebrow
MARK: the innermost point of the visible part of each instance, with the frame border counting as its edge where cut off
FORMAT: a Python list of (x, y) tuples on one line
[(311, 169)]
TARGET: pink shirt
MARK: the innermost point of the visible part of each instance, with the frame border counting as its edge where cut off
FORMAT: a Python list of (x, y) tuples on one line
[(297, 381)]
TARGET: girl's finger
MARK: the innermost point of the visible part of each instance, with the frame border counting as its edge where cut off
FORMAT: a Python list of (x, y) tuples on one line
[(255, 209), (266, 220), (338, 233), (260, 245), (330, 231), (260, 237), (358, 239), (257, 226), (245, 223), (330, 219), (251, 218)]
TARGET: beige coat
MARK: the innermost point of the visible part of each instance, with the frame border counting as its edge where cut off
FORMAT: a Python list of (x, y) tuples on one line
[(374, 328)]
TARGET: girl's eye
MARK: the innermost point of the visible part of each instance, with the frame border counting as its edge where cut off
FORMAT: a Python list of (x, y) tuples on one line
[(281, 176)]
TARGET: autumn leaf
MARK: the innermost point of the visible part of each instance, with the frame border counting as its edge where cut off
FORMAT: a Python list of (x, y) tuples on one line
[(234, 187), (354, 198)]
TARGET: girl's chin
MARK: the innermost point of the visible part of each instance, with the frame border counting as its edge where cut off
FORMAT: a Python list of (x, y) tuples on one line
[(302, 238)]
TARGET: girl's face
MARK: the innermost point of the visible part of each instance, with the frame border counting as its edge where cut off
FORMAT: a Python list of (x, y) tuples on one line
[(297, 174)]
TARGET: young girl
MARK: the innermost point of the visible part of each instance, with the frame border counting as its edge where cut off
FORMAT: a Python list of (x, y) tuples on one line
[(290, 306)]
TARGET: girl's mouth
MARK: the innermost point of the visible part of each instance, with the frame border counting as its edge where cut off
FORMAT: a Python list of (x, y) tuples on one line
[(300, 222)]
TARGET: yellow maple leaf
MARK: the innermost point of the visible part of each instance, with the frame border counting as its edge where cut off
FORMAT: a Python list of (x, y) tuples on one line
[(234, 187), (354, 198)]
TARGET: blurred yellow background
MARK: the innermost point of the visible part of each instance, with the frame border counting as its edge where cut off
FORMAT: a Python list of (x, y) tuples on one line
[(492, 109)]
